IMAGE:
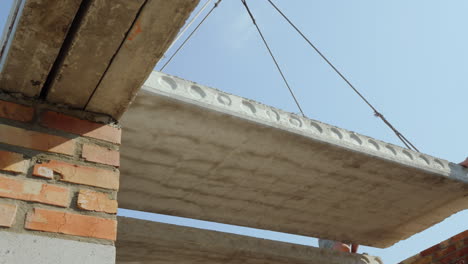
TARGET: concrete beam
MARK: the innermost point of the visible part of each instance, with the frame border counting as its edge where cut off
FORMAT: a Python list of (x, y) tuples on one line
[(141, 241), (112, 47), (101, 30), (156, 26), (196, 152), (27, 248), (32, 39)]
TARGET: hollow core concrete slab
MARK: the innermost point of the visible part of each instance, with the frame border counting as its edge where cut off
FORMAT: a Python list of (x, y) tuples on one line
[(141, 242), (89, 55), (196, 152), (31, 42)]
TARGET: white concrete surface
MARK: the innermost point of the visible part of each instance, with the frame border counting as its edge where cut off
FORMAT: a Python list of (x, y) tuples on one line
[(216, 100), (197, 152), (18, 248)]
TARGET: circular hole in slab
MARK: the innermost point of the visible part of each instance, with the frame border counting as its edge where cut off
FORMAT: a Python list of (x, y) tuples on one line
[(167, 82), (374, 144), (197, 92), (295, 121), (356, 139), (391, 149), (426, 160), (407, 154), (224, 99), (248, 107), (273, 115), (336, 133), (439, 163), (316, 126)]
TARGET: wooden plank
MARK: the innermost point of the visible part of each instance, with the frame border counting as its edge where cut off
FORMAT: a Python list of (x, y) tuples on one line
[(141, 241), (150, 36), (33, 43), (98, 37), (192, 151)]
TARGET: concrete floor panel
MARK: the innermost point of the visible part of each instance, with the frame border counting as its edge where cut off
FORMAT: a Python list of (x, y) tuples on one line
[(33, 36), (197, 152), (141, 242)]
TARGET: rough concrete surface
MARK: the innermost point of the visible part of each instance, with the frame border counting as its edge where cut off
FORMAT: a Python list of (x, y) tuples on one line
[(156, 26), (35, 33), (193, 151), (18, 248), (141, 241), (98, 37)]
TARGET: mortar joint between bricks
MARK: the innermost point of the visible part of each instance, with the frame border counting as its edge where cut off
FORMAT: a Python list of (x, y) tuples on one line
[(100, 143), (35, 127), (74, 187), (74, 161), (41, 105), (73, 209)]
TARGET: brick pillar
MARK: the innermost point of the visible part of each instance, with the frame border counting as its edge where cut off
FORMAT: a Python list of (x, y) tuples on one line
[(58, 185), (451, 251)]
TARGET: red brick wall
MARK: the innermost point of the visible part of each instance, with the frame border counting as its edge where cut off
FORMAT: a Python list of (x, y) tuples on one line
[(451, 251), (58, 174)]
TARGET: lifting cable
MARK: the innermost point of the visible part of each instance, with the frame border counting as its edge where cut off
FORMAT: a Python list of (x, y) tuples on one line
[(273, 57), (191, 34), (195, 17), (403, 139)]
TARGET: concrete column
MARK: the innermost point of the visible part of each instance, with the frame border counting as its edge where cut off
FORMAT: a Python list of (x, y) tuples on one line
[(58, 185)]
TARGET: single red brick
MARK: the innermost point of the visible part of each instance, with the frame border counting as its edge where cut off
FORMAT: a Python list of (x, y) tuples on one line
[(43, 172), (96, 201), (34, 191), (16, 112), (7, 214), (430, 250), (462, 235), (459, 244), (71, 224), (102, 155), (450, 259), (36, 140), (13, 162), (97, 177), (81, 127), (424, 260), (446, 251)]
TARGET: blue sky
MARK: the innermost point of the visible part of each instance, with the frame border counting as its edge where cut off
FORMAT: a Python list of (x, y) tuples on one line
[(409, 58)]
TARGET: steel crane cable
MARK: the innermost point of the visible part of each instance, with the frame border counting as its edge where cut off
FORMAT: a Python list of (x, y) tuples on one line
[(405, 141), (273, 57)]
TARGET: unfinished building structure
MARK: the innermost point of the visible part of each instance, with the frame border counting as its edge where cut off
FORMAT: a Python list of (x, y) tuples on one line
[(185, 150)]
